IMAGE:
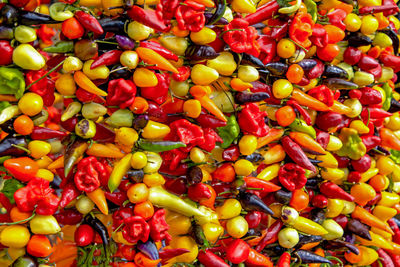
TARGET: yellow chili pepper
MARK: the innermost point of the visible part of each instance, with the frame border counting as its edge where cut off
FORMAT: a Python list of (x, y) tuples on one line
[(86, 84), (201, 94), (273, 135), (100, 150), (239, 85), (291, 217), (365, 217), (376, 240), (389, 199), (58, 163), (155, 130), (274, 155), (328, 160), (384, 213), (365, 176), (151, 57), (119, 170), (270, 172), (340, 108)]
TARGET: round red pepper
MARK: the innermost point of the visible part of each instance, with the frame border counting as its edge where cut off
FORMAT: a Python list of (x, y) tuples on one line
[(292, 176)]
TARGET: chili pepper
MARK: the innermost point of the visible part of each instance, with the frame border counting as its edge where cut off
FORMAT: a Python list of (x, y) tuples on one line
[(42, 133), (121, 93), (85, 83), (309, 257), (100, 228), (251, 120), (89, 174), (319, 36), (369, 219), (68, 217), (246, 97), (166, 9), (390, 61), (308, 101), (11, 82), (252, 202), (267, 49), (37, 195), (217, 16), (159, 146), (332, 190), (200, 52), (199, 93), (291, 217), (378, 9), (135, 228), (32, 18), (384, 258), (308, 239), (257, 259), (353, 147), (259, 183), (161, 198), (9, 146), (301, 110), (209, 259), (190, 16), (89, 22), (263, 13), (336, 83), (109, 58), (284, 260), (307, 142), (336, 18), (396, 230), (296, 153), (300, 29), (73, 152), (389, 139), (159, 92), (114, 25), (395, 258), (229, 132), (148, 17), (98, 197), (243, 38), (199, 191), (167, 254), (69, 193), (60, 47), (23, 169), (159, 49), (119, 170), (271, 236), (149, 249), (292, 176), (209, 121), (159, 227), (237, 251)]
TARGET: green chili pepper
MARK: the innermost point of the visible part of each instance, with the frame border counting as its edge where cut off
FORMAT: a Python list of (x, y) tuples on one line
[(161, 198), (72, 109), (288, 9), (311, 9), (59, 12), (12, 82), (388, 92), (301, 126), (353, 147), (119, 170), (159, 146), (229, 132), (60, 47), (73, 153)]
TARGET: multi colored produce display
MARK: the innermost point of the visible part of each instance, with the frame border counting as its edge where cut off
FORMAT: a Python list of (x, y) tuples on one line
[(199, 133)]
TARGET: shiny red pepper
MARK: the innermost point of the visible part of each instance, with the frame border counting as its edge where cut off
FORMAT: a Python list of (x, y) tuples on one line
[(148, 17), (43, 133), (241, 37), (284, 260), (210, 138), (45, 87), (183, 75), (209, 259), (251, 120), (121, 93), (89, 22), (68, 217), (371, 141), (271, 236), (69, 193), (294, 151), (263, 13), (301, 110), (190, 16), (336, 18), (159, 227), (166, 9), (23, 169), (266, 186), (186, 132), (209, 121), (199, 191), (135, 228), (108, 58), (160, 50), (319, 36), (117, 198), (292, 176), (6, 51), (89, 173), (301, 29), (332, 190), (159, 92)]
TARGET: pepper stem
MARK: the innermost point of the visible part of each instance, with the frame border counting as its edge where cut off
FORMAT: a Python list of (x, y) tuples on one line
[(21, 221), (47, 74)]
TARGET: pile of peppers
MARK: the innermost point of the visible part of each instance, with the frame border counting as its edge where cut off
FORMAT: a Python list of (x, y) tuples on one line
[(199, 133)]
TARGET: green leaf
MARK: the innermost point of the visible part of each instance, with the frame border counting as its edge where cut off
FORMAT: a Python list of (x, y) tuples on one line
[(9, 188), (12, 82), (229, 132)]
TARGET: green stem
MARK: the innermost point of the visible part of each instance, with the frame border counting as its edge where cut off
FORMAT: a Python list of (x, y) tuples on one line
[(299, 45), (21, 221), (22, 148), (47, 74)]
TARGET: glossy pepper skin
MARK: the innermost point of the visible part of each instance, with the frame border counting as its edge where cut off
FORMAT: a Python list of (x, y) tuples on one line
[(121, 93), (296, 153), (90, 172), (292, 176), (89, 22)]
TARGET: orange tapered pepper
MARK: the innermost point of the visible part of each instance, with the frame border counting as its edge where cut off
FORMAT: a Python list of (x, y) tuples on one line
[(151, 57), (365, 217), (273, 135), (340, 108), (308, 101), (58, 163), (201, 94), (86, 84), (99, 198), (100, 150), (307, 141), (389, 139)]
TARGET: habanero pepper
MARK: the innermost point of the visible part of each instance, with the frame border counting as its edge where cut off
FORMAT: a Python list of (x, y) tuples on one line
[(159, 92), (319, 36), (135, 228), (159, 227), (183, 75), (186, 132), (267, 48), (89, 173), (166, 9), (336, 18), (301, 29), (251, 120), (323, 94), (190, 16), (45, 87), (210, 138), (241, 37), (292, 176), (121, 93), (198, 192)]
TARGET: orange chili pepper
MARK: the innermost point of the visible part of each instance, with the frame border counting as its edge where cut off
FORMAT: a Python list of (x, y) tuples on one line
[(151, 57), (369, 219), (307, 141), (100, 150), (389, 139), (86, 84), (308, 101), (99, 198), (273, 135)]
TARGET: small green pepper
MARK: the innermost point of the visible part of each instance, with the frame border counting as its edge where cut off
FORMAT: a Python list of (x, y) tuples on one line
[(301, 126), (12, 82), (59, 12), (60, 47), (229, 132), (353, 147), (159, 146), (25, 34)]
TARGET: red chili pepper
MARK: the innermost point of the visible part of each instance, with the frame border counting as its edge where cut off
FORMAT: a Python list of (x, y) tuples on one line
[(319, 36), (332, 190), (209, 121), (323, 94), (384, 258), (45, 87), (84, 235), (159, 227), (395, 258), (199, 191), (278, 30), (301, 110), (336, 18), (6, 51), (371, 141), (301, 29), (69, 193), (231, 153), (241, 37), (267, 49), (396, 230), (297, 154), (378, 9), (257, 259), (120, 215), (89, 173), (46, 33), (271, 236), (43, 133), (190, 16), (370, 96), (251, 120), (172, 160), (209, 259), (266, 186), (135, 228), (237, 251), (161, 50), (391, 61), (37, 195), (117, 198), (68, 217), (374, 113), (292, 176), (108, 58), (166, 9), (167, 254), (121, 93), (354, 177), (263, 13), (23, 169), (148, 17), (89, 22), (210, 138), (317, 71), (284, 260), (159, 92)]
